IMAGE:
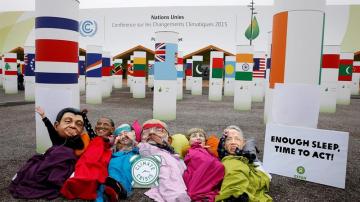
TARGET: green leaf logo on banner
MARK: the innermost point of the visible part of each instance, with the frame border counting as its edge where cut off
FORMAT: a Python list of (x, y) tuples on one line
[(252, 33)]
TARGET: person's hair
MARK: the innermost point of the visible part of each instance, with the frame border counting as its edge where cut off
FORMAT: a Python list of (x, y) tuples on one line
[(237, 128), (65, 110), (195, 130), (110, 120)]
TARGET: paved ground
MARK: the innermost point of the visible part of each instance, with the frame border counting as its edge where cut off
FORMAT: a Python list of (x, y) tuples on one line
[(18, 136)]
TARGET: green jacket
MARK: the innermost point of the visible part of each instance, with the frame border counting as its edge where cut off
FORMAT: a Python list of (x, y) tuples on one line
[(240, 177)]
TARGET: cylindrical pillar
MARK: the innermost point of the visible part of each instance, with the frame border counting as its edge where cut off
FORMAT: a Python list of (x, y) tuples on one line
[(56, 57), (344, 78), (355, 78), (259, 72), (292, 39), (82, 73), (29, 79), (243, 77), (230, 64), (139, 74), (10, 73), (188, 74), (216, 75), (93, 74), (180, 75), (166, 47), (1, 71), (197, 72), (329, 78), (151, 73), (106, 84), (118, 73)]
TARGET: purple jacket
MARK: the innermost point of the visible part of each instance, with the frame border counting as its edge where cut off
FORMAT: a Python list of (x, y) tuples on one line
[(203, 175), (43, 175)]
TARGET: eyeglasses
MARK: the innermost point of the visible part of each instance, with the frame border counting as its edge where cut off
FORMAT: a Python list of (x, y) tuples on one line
[(157, 131)]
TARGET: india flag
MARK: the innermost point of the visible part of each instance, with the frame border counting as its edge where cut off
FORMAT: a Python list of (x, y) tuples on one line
[(244, 63)]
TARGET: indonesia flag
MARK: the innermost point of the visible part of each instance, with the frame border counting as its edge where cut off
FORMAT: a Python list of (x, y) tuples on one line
[(160, 52), (56, 47), (259, 68)]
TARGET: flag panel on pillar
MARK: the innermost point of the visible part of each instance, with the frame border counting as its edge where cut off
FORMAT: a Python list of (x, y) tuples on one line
[(188, 70), (244, 67), (29, 60), (165, 61), (180, 65), (81, 67), (197, 69), (345, 70), (151, 67), (106, 67), (217, 67), (93, 64), (56, 42), (331, 61), (117, 70), (230, 64), (259, 68), (160, 52), (10, 66), (356, 67)]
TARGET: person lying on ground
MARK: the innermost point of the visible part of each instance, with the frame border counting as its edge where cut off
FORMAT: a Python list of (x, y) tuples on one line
[(155, 141), (118, 184), (204, 172), (43, 175), (91, 169), (242, 180)]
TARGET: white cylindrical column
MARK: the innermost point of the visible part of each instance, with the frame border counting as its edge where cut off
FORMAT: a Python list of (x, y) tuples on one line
[(344, 79), (243, 77), (29, 79), (180, 75), (216, 75), (259, 72), (355, 78), (291, 38), (93, 74), (188, 74), (118, 73), (56, 57), (329, 78), (138, 85), (197, 72), (106, 84), (230, 64), (10, 73), (166, 47), (82, 73)]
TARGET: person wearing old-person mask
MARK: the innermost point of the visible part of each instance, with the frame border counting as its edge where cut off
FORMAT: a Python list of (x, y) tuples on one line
[(242, 180), (118, 184), (92, 168), (155, 141)]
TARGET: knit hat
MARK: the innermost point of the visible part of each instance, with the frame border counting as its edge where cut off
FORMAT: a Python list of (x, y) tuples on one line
[(121, 128), (195, 130)]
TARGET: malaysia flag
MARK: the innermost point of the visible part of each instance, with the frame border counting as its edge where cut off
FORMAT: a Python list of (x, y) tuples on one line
[(259, 68), (160, 52)]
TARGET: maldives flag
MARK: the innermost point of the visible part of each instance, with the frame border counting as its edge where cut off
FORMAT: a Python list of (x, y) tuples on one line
[(345, 70), (217, 67)]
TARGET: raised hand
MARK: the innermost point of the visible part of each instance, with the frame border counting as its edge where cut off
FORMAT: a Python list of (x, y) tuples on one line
[(40, 111)]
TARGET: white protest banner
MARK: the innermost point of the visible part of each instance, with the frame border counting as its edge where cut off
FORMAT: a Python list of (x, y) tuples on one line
[(308, 154)]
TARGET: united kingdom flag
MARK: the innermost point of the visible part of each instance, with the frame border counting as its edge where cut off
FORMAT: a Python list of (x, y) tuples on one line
[(160, 52)]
